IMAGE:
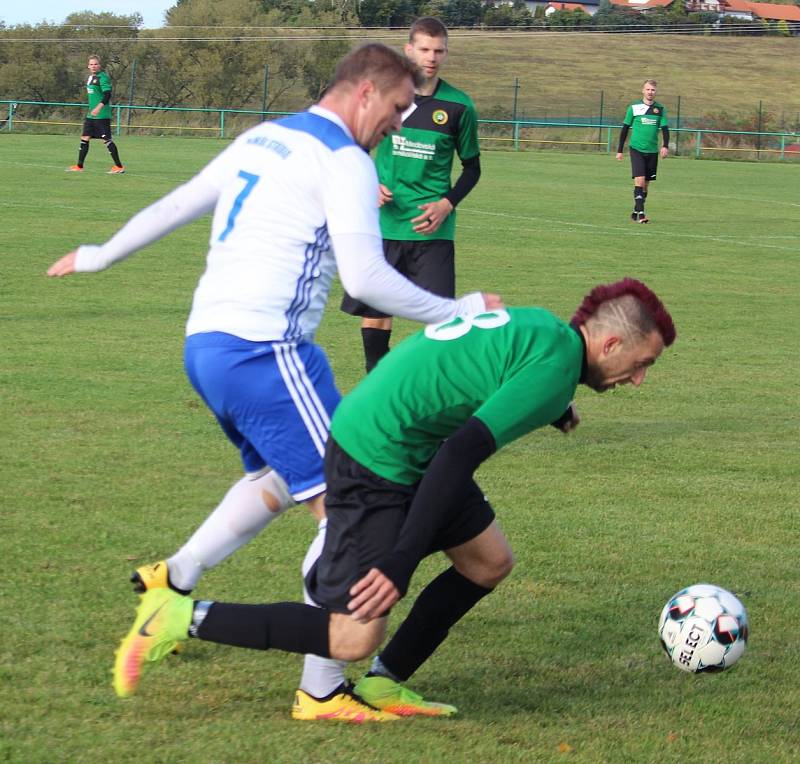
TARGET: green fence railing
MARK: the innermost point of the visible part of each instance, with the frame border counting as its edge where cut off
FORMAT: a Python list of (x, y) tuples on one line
[(515, 134)]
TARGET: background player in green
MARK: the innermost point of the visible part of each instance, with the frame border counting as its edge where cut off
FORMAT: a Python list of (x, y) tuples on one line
[(644, 119), (399, 469), (417, 199), (98, 119)]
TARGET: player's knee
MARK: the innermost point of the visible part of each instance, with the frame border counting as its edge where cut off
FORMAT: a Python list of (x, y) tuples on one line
[(490, 571), (353, 641)]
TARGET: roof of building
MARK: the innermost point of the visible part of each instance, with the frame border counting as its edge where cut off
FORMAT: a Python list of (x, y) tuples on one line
[(566, 6), (773, 11)]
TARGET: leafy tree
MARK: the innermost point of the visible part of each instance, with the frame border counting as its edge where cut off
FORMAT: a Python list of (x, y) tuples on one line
[(462, 13)]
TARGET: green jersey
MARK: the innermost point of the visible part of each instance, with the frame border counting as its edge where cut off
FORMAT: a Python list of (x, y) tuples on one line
[(645, 122), (515, 369), (96, 85), (416, 164)]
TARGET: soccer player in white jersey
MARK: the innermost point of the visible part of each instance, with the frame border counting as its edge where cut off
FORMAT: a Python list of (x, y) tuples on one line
[(292, 201)]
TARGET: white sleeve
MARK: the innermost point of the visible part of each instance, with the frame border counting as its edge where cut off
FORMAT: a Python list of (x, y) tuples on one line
[(187, 202), (367, 277)]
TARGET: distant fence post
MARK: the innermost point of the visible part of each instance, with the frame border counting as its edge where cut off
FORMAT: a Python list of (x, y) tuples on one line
[(12, 107), (119, 112), (222, 123), (608, 144), (760, 126), (600, 120), (131, 92), (783, 147), (697, 139), (516, 136), (678, 128), (516, 94)]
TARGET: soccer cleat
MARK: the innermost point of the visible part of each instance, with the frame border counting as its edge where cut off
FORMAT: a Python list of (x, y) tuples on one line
[(635, 216), (643, 218), (345, 706), (388, 695), (147, 577), (116, 170), (162, 619), (75, 168)]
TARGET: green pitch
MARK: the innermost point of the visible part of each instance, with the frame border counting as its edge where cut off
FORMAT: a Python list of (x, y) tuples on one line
[(109, 461)]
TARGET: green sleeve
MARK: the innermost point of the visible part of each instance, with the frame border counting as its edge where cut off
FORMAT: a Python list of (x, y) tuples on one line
[(664, 121), (535, 397), (105, 81), (467, 142), (628, 117)]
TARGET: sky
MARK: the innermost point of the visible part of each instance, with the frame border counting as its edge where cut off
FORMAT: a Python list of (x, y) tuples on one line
[(15, 12)]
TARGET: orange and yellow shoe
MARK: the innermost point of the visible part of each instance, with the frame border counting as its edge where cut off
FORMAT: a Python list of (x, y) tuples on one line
[(388, 695), (116, 170), (345, 706), (147, 577), (75, 168), (162, 620)]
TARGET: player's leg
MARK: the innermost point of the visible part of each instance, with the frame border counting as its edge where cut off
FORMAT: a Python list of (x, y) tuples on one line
[(638, 172), (108, 139), (274, 406), (376, 327), (375, 336), (83, 150), (479, 564)]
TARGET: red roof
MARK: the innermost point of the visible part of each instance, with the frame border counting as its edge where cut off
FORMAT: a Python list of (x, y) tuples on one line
[(775, 11), (772, 11), (643, 5), (567, 6)]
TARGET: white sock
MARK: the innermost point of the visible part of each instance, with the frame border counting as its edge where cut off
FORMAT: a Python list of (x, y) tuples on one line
[(248, 507), (321, 676)]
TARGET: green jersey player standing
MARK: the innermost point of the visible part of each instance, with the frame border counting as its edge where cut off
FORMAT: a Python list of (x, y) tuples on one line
[(644, 119), (98, 119), (399, 467), (417, 198)]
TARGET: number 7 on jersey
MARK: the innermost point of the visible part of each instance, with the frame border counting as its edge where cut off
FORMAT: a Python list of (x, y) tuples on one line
[(250, 181)]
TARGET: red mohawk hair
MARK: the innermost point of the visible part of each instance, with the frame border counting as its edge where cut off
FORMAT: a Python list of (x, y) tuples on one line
[(644, 295)]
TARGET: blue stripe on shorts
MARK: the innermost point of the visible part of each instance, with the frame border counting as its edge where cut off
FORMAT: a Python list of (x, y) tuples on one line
[(274, 401)]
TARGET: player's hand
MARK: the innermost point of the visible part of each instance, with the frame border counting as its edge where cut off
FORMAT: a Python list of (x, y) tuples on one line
[(96, 110), (619, 156), (492, 301), (64, 266), (372, 596), (572, 421), (384, 195), (664, 152), (432, 217)]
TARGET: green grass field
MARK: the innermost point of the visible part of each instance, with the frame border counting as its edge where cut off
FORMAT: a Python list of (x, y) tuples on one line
[(109, 460)]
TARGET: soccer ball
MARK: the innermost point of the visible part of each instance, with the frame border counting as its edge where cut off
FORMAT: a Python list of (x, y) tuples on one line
[(703, 628)]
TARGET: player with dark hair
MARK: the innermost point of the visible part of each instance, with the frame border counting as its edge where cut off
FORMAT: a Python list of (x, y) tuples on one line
[(644, 119), (417, 198), (98, 120), (293, 201), (399, 465)]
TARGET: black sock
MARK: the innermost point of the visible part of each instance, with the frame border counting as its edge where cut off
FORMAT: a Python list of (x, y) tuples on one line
[(638, 199), (112, 149), (288, 626), (376, 345), (82, 152), (439, 606)]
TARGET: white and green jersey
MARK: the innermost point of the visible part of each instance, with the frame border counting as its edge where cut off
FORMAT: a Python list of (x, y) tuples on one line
[(416, 163), (515, 369), (96, 87), (645, 122)]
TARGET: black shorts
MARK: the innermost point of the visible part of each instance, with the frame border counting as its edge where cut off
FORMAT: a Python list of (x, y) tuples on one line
[(428, 264), (365, 513), (97, 128), (643, 165)]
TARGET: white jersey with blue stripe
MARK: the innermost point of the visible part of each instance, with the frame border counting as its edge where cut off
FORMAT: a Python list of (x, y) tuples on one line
[(284, 188)]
